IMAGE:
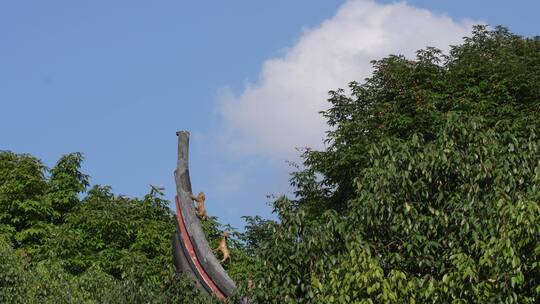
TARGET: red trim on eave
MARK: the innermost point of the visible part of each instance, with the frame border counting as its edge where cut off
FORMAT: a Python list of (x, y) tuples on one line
[(191, 251)]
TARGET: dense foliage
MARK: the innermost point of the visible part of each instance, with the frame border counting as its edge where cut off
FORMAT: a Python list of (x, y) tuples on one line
[(428, 191), (60, 243)]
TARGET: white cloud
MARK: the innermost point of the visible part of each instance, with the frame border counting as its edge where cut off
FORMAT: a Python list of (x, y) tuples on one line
[(280, 111)]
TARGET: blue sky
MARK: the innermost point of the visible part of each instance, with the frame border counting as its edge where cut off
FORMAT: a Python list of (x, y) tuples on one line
[(116, 79)]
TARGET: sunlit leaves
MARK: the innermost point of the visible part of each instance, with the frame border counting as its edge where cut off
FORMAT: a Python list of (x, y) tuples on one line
[(428, 191)]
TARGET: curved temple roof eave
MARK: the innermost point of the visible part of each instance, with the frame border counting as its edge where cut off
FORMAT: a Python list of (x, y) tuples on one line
[(203, 263)]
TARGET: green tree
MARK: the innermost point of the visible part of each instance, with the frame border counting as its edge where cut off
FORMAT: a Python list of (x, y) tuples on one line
[(23, 214), (428, 191), (66, 183), (62, 244), (493, 74)]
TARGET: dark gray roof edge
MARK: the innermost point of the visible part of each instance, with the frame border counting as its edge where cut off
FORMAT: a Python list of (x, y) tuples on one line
[(183, 262), (202, 249)]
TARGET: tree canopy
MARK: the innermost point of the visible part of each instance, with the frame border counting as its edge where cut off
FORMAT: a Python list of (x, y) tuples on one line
[(63, 243), (428, 191)]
